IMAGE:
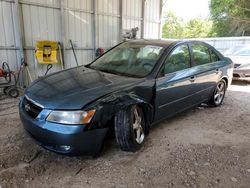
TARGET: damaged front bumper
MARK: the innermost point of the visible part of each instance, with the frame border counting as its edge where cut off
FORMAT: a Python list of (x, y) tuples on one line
[(63, 139)]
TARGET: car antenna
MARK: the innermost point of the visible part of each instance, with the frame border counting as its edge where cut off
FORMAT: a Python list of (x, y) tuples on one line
[(73, 49)]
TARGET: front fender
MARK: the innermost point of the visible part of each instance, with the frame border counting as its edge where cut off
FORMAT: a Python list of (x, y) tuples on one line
[(107, 107)]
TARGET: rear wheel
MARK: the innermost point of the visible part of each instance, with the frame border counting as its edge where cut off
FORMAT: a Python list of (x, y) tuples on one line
[(130, 128), (12, 92), (5, 89), (219, 93)]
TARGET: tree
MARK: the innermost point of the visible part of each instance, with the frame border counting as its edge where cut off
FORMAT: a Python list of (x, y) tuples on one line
[(198, 28), (175, 27), (230, 17)]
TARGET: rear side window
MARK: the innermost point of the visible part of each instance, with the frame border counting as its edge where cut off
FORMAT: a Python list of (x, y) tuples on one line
[(201, 54), (179, 59)]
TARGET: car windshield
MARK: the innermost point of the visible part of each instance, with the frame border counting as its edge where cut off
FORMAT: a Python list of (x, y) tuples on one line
[(129, 59)]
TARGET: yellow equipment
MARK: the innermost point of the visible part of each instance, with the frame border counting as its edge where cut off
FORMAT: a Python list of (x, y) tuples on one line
[(48, 52)]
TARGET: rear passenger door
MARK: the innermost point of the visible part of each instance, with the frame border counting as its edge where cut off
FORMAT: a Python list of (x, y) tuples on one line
[(206, 70)]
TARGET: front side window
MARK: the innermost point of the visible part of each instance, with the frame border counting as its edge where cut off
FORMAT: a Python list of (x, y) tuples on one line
[(201, 54), (179, 59), (129, 59), (214, 56)]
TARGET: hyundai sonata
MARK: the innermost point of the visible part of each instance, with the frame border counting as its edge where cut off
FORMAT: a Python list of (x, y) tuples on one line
[(129, 88)]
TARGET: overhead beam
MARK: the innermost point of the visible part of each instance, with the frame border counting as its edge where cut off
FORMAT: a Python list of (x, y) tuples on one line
[(40, 4), (9, 1), (9, 48)]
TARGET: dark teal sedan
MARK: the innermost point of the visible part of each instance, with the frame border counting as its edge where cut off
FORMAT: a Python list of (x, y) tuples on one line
[(128, 89)]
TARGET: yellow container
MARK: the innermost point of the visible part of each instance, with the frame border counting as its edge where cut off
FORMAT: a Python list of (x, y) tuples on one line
[(47, 52)]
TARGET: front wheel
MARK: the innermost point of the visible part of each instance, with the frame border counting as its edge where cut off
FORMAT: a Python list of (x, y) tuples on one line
[(219, 93), (130, 128)]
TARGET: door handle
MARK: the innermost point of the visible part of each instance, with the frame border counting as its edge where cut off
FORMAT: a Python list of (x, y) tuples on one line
[(192, 79), (217, 71)]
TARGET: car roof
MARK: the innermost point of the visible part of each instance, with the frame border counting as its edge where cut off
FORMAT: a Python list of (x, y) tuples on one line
[(156, 42), (163, 42)]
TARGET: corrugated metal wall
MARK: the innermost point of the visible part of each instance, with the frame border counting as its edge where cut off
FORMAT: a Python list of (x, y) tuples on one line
[(132, 15), (222, 44), (8, 43), (152, 19), (78, 26), (40, 21), (108, 18), (88, 23)]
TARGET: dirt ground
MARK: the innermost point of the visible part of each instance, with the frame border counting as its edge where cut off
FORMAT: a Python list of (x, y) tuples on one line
[(203, 147)]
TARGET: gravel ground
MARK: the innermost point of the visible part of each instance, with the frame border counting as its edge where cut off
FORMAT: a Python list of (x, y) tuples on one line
[(203, 147)]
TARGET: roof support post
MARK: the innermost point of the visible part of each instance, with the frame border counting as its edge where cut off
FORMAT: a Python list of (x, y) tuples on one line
[(94, 26), (143, 18), (19, 38), (121, 19), (160, 19), (63, 35)]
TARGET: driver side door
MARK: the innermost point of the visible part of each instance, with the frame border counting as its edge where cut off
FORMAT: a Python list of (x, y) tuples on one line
[(174, 88)]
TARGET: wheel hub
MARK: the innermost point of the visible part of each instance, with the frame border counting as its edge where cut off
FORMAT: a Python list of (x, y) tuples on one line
[(137, 127), (219, 93)]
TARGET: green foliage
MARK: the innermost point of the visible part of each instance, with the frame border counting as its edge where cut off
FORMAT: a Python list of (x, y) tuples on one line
[(198, 28), (175, 27), (230, 17)]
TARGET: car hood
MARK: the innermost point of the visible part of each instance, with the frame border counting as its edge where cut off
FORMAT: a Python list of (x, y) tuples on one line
[(75, 88)]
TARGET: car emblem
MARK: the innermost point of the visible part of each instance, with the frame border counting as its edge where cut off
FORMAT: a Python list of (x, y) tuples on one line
[(27, 107)]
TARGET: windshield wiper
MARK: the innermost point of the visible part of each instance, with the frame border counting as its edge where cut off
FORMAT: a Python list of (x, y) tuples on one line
[(109, 71), (114, 72)]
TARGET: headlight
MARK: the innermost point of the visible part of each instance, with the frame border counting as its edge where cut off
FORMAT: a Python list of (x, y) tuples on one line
[(71, 117)]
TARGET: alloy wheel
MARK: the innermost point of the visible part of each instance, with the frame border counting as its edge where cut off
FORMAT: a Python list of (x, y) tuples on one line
[(137, 126), (219, 92)]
